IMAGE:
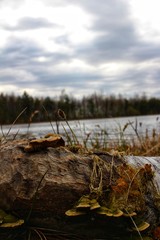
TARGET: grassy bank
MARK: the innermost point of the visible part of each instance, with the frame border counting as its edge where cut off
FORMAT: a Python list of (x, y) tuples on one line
[(127, 139), (137, 143)]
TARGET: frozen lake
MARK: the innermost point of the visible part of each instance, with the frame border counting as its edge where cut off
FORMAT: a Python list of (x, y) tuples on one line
[(110, 128)]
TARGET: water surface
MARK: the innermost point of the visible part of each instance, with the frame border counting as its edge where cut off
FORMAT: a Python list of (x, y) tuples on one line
[(110, 128)]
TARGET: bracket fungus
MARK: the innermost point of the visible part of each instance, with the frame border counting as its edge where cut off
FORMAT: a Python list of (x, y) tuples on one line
[(142, 226), (120, 195), (8, 220), (50, 140), (85, 204)]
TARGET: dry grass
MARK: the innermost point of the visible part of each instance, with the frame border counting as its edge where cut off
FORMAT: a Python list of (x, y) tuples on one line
[(142, 146), (147, 144)]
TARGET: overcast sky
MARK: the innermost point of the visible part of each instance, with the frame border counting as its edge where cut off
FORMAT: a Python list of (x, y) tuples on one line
[(80, 46)]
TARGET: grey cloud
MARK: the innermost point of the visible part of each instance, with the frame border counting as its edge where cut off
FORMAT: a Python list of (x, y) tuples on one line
[(23, 52), (29, 23), (9, 79), (45, 79), (116, 34), (119, 45), (19, 52), (139, 79), (144, 51), (64, 79)]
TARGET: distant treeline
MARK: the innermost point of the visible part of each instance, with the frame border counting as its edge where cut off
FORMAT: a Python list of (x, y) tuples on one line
[(92, 106)]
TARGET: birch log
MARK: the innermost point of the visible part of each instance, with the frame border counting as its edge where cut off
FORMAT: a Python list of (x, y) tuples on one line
[(155, 163), (52, 180)]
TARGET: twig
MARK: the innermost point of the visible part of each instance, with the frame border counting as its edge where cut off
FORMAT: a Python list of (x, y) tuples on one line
[(15, 121), (62, 115), (135, 225), (49, 118)]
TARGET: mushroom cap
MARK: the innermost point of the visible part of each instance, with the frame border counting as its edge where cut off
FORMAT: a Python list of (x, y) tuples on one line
[(12, 224), (131, 214), (117, 213), (142, 226), (74, 212), (105, 211), (94, 204), (84, 202)]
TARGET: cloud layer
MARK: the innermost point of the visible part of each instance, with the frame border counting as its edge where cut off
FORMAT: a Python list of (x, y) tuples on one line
[(80, 46)]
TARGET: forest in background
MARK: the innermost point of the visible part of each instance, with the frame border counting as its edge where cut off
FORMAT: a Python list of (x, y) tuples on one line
[(92, 106)]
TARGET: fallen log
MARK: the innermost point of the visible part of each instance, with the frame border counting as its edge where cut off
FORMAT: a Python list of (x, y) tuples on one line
[(92, 194)]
